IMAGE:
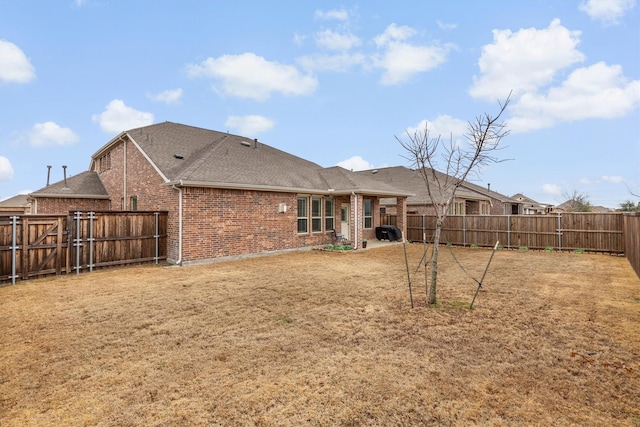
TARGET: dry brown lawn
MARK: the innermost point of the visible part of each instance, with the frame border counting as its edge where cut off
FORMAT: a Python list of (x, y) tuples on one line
[(326, 339)]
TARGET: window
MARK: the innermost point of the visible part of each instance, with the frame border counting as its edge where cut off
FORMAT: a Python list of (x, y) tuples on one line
[(316, 214), (303, 214), (104, 163), (368, 213), (328, 214), (134, 203)]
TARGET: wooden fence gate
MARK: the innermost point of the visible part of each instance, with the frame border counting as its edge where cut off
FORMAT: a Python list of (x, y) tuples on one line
[(38, 245)]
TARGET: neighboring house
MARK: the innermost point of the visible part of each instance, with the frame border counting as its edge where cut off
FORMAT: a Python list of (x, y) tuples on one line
[(228, 195), (470, 199), (80, 192), (16, 205), (573, 206), (530, 206)]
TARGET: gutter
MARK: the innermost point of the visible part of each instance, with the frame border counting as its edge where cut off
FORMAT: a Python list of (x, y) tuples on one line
[(355, 226), (178, 187)]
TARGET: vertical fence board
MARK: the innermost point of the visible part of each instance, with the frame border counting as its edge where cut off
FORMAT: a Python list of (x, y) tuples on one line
[(594, 232), (631, 226), (58, 244)]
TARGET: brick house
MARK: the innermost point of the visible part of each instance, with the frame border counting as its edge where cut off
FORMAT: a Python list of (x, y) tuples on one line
[(82, 192), (228, 195), (471, 199)]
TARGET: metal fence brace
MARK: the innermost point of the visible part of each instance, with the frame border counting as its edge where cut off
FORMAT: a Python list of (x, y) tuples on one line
[(91, 239), (14, 247), (77, 242), (157, 236)]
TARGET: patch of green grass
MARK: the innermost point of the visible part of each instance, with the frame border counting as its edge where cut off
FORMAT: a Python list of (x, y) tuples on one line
[(452, 305), (523, 248), (338, 247), (474, 246), (578, 251), (548, 249), (286, 320)]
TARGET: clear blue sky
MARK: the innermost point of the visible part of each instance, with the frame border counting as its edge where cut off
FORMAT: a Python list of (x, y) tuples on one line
[(332, 82)]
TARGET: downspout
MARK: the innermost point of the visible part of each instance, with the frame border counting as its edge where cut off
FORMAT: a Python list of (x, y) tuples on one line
[(179, 260), (355, 227), (124, 177)]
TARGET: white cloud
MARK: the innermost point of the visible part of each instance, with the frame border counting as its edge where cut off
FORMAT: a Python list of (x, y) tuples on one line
[(394, 34), (6, 170), (597, 91), (50, 133), (402, 60), (355, 163), (338, 63), (171, 96), (118, 117), (298, 39), (446, 26), (251, 76), (331, 40), (584, 181), (334, 14), (523, 62), (249, 125), (552, 189), (14, 64), (444, 126), (607, 11), (613, 179)]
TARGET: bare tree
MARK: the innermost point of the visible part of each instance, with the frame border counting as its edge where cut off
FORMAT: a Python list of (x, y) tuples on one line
[(576, 201), (427, 155)]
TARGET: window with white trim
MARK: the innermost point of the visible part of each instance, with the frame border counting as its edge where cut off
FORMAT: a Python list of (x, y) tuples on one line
[(368, 213), (316, 214), (303, 214), (329, 210)]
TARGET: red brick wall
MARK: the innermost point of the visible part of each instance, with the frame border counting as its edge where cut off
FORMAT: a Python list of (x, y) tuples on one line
[(221, 222), (146, 184), (50, 205)]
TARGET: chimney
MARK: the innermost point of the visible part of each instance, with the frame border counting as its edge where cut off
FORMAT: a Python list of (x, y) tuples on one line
[(48, 174), (64, 168)]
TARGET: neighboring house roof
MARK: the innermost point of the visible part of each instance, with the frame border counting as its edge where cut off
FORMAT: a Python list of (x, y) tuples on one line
[(521, 198), (16, 205), (412, 181), (191, 156), (489, 193), (18, 201), (83, 185)]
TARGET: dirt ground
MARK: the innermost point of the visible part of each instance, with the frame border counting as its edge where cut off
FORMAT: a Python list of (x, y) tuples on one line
[(327, 339)]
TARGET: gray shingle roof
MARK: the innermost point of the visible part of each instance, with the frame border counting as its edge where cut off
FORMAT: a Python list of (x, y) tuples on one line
[(411, 181), (83, 185), (202, 157)]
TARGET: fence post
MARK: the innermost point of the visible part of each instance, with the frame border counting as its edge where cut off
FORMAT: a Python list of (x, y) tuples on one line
[(509, 231), (464, 230), (14, 247), (77, 242), (91, 217), (559, 232), (157, 237)]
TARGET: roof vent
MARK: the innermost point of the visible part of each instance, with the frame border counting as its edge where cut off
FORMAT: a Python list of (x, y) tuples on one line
[(178, 156), (245, 143), (374, 171)]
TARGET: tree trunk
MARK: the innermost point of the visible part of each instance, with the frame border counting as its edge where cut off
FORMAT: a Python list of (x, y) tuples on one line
[(434, 263)]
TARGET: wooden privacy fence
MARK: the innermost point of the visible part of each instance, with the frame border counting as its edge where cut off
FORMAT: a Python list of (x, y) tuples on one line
[(593, 232), (38, 245), (631, 227)]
